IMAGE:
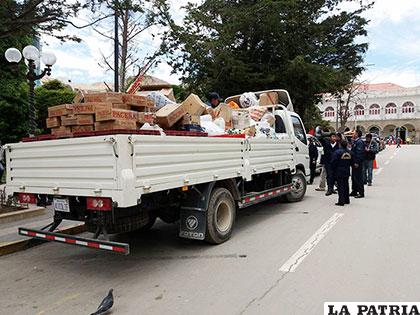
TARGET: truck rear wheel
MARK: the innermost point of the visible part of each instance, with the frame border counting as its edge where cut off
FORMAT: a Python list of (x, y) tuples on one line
[(221, 215), (149, 225), (298, 188)]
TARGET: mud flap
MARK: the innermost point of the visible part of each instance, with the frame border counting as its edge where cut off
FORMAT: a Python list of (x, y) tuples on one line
[(192, 223)]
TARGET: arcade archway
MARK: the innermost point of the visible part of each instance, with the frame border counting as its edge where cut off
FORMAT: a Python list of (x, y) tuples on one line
[(374, 130), (389, 130)]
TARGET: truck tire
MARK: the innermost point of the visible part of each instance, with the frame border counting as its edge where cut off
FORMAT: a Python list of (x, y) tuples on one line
[(149, 225), (298, 188), (221, 215)]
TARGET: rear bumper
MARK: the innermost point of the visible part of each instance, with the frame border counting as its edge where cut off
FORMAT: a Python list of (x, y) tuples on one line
[(120, 248), (118, 196)]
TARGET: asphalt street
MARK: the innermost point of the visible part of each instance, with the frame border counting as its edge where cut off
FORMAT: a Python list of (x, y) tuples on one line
[(282, 259)]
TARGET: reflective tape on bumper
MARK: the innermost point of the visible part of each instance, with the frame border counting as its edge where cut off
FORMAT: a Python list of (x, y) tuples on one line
[(121, 248)]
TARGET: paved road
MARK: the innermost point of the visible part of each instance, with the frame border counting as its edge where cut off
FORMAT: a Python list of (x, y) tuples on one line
[(283, 259)]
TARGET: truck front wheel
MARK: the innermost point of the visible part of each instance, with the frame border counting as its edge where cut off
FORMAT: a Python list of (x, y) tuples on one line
[(221, 215), (298, 188)]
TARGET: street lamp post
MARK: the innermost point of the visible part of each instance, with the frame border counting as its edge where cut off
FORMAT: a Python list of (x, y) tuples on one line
[(32, 56)]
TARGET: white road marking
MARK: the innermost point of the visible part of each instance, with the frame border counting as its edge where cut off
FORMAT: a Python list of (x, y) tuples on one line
[(387, 162), (293, 262)]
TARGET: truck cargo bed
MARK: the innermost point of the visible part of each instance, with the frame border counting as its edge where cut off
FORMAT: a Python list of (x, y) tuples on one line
[(123, 167)]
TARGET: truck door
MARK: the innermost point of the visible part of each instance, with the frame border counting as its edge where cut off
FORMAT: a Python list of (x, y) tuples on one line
[(301, 143)]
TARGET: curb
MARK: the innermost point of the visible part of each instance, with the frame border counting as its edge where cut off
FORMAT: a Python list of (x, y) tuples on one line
[(21, 214), (16, 246)]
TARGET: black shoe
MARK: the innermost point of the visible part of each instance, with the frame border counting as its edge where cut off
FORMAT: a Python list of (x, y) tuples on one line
[(347, 203), (334, 192), (359, 196), (353, 194), (328, 193), (340, 204)]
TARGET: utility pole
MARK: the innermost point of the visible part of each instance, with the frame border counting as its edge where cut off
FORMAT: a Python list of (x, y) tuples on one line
[(116, 50)]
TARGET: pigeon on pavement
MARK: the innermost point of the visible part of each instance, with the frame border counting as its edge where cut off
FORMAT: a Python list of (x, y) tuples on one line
[(106, 304)]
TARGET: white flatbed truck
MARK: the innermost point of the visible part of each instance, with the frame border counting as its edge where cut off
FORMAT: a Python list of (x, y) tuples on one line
[(123, 181)]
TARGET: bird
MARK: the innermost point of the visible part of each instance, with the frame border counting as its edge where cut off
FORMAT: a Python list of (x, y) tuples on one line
[(106, 304)]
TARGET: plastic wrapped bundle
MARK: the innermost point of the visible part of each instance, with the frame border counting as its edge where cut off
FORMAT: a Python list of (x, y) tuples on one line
[(159, 99), (248, 99)]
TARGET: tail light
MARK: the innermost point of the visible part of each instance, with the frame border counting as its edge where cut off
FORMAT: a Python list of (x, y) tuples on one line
[(100, 204), (27, 198)]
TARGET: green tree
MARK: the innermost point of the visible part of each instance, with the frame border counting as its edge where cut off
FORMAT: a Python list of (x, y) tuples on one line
[(51, 93), (230, 46), (36, 17), (13, 95)]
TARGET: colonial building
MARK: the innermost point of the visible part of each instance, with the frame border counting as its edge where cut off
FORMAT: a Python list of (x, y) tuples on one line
[(385, 109)]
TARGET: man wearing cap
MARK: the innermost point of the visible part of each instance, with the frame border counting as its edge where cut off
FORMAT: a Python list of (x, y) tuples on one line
[(214, 99)]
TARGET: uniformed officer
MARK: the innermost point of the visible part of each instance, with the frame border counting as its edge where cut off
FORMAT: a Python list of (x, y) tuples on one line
[(342, 161)]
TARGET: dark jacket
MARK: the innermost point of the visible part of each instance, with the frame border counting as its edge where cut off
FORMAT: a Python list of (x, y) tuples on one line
[(371, 149), (358, 149), (342, 160), (313, 152), (328, 150)]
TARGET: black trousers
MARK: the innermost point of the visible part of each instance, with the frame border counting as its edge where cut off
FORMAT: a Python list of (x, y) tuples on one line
[(330, 176), (312, 167), (357, 180), (343, 190)]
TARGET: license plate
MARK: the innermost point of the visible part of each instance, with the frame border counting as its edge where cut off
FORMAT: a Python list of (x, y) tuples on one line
[(61, 204)]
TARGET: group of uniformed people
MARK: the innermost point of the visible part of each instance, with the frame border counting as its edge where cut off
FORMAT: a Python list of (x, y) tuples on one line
[(343, 158)]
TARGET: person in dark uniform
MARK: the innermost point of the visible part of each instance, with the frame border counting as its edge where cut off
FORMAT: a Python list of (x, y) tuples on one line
[(329, 143), (342, 161), (313, 157), (358, 150)]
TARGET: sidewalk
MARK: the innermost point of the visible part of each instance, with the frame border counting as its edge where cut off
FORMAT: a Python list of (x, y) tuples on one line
[(8, 231)]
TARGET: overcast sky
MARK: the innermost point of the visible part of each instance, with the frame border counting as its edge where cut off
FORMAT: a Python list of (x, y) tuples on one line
[(393, 56)]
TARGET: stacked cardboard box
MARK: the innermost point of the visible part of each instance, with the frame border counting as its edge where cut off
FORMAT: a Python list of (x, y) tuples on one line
[(100, 111), (111, 111)]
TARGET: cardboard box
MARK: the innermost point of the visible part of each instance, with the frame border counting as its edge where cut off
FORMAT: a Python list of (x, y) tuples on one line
[(86, 128), (270, 98), (224, 111), (186, 119), (241, 119), (60, 110), (70, 120), (169, 114), (86, 108), (137, 100), (61, 131), (53, 122), (257, 112), (115, 124), (193, 105), (145, 118), (79, 97), (195, 119), (104, 114), (85, 120), (107, 97), (121, 106)]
